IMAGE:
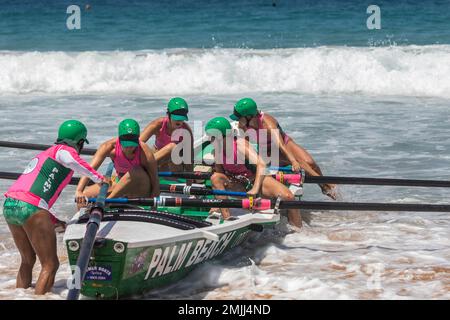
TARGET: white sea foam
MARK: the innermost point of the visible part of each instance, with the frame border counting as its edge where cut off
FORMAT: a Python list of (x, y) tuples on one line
[(407, 70)]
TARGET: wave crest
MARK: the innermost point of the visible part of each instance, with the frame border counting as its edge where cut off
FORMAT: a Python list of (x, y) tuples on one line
[(409, 71)]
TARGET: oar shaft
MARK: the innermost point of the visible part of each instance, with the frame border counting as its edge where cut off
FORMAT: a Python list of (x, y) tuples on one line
[(186, 175), (36, 146), (365, 206), (264, 204), (378, 181), (309, 179)]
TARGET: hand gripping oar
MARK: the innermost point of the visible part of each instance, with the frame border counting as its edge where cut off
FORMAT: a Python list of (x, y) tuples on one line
[(264, 204), (192, 190), (369, 181), (89, 237)]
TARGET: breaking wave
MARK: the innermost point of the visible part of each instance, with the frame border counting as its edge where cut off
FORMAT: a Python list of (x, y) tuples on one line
[(405, 71)]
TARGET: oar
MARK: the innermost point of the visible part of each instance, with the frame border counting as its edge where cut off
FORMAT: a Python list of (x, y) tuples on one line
[(178, 189), (192, 190), (36, 146), (264, 204), (315, 180), (295, 178), (369, 181), (89, 237)]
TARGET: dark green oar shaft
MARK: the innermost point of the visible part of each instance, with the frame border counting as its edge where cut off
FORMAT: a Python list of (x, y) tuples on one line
[(263, 204), (36, 146), (309, 179), (378, 181), (365, 206), (92, 226)]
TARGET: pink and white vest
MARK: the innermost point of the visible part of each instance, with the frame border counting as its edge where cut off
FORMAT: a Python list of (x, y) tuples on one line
[(48, 174)]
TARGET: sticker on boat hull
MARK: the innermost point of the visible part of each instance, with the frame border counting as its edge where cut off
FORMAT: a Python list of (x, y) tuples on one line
[(99, 273)]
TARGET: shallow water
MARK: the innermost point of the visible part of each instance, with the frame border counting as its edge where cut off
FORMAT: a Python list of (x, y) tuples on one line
[(363, 102), (357, 255)]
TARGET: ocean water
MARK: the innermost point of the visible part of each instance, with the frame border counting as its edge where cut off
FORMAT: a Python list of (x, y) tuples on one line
[(364, 103)]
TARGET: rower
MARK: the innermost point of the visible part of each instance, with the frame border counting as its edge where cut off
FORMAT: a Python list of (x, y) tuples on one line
[(249, 176), (268, 128), (134, 163), (164, 131), (30, 199)]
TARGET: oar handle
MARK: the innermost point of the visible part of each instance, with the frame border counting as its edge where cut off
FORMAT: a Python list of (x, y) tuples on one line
[(193, 190)]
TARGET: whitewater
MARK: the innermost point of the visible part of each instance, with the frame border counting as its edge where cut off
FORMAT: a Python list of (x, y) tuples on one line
[(398, 70), (337, 255)]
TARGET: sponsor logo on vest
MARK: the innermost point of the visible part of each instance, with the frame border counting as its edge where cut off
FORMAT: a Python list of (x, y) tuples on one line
[(50, 179), (173, 258)]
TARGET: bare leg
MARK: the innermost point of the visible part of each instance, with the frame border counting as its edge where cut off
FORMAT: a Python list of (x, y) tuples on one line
[(271, 188), (164, 153), (135, 183), (41, 233), (220, 181), (300, 153), (27, 255)]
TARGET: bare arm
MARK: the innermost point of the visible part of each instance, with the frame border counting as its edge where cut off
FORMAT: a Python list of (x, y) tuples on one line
[(275, 133), (151, 129), (103, 151), (150, 165), (244, 147)]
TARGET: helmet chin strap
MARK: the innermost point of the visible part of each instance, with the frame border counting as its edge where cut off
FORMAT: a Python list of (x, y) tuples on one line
[(80, 146)]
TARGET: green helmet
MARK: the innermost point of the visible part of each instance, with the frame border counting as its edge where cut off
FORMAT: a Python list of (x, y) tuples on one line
[(129, 132), (220, 123), (244, 107), (178, 109), (72, 132)]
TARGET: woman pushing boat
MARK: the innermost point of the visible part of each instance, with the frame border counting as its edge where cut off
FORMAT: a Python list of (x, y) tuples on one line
[(134, 163), (267, 128), (163, 129), (30, 199), (249, 175)]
